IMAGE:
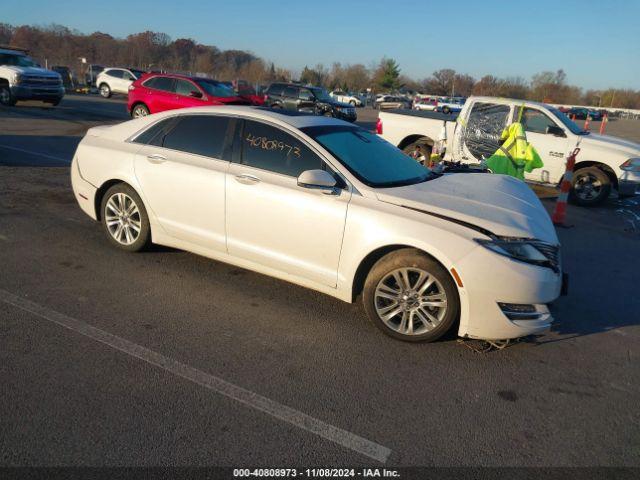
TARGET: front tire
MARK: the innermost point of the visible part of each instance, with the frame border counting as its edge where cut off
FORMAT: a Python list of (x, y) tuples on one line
[(124, 218), (590, 187), (411, 297), (6, 97), (105, 90)]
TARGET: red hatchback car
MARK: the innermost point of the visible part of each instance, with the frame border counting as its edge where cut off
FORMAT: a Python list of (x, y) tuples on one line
[(159, 92)]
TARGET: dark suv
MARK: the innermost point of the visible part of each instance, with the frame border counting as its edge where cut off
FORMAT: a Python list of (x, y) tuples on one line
[(314, 100)]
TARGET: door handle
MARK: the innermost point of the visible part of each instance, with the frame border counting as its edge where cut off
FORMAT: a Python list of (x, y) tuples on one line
[(156, 158), (247, 179)]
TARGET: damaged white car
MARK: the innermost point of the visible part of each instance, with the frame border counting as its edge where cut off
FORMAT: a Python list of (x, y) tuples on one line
[(330, 206)]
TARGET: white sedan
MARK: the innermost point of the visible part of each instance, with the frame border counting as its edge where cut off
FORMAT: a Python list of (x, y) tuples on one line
[(330, 206)]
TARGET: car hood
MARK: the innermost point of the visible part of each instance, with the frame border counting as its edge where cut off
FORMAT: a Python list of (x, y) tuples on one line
[(33, 71), (500, 204), (607, 142)]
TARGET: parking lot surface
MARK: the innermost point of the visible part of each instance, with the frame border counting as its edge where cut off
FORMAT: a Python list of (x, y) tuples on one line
[(167, 358)]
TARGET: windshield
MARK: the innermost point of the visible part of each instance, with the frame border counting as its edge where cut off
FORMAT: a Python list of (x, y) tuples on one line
[(321, 94), (567, 122), (16, 60), (216, 89), (371, 159), (137, 73)]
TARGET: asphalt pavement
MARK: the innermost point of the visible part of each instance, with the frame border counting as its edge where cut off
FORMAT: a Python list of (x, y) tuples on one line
[(167, 358)]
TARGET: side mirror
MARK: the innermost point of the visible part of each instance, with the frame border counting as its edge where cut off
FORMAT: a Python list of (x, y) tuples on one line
[(318, 180), (195, 94), (555, 130)]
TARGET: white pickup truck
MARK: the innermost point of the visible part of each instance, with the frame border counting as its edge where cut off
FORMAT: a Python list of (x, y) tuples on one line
[(21, 78), (604, 163)]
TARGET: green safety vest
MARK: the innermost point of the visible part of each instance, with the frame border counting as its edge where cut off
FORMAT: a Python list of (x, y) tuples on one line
[(515, 156)]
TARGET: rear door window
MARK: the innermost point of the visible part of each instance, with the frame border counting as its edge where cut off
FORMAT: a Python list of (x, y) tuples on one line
[(275, 89), (160, 83), (484, 127), (291, 92), (115, 73), (204, 135), (269, 148)]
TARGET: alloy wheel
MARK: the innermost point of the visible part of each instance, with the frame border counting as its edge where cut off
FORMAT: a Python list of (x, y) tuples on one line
[(410, 301), (587, 187), (122, 218), (139, 111)]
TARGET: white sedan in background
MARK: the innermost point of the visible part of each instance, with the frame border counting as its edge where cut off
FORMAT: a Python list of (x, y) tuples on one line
[(330, 206), (116, 80)]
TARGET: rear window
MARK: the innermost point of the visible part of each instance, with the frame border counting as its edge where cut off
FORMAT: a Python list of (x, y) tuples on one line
[(160, 83)]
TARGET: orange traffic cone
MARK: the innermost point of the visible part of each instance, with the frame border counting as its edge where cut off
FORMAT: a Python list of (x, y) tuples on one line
[(586, 123), (603, 124), (560, 212)]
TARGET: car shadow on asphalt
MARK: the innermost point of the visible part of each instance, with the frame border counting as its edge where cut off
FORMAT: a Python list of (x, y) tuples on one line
[(37, 150)]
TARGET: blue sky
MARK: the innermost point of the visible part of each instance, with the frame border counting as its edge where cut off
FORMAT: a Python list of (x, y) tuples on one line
[(597, 43)]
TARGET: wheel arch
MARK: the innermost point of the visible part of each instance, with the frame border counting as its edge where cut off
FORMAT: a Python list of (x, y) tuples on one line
[(414, 138), (600, 166), (102, 190), (139, 102), (367, 263)]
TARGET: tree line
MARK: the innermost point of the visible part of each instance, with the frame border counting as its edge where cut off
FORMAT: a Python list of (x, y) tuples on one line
[(59, 45)]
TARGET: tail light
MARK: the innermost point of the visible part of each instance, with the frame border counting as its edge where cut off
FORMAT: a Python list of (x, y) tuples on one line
[(379, 127)]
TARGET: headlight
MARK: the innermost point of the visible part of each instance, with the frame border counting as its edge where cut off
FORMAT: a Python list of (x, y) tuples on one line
[(525, 250), (631, 165), (17, 78)]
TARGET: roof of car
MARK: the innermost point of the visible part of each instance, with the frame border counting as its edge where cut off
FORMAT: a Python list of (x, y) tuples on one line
[(180, 75), (295, 119)]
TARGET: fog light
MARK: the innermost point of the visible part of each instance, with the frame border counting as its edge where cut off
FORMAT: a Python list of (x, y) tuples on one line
[(520, 311)]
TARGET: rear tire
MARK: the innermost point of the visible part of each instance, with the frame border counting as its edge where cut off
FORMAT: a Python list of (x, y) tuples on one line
[(6, 97), (124, 218), (411, 297), (105, 90), (139, 110), (590, 187), (419, 150)]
